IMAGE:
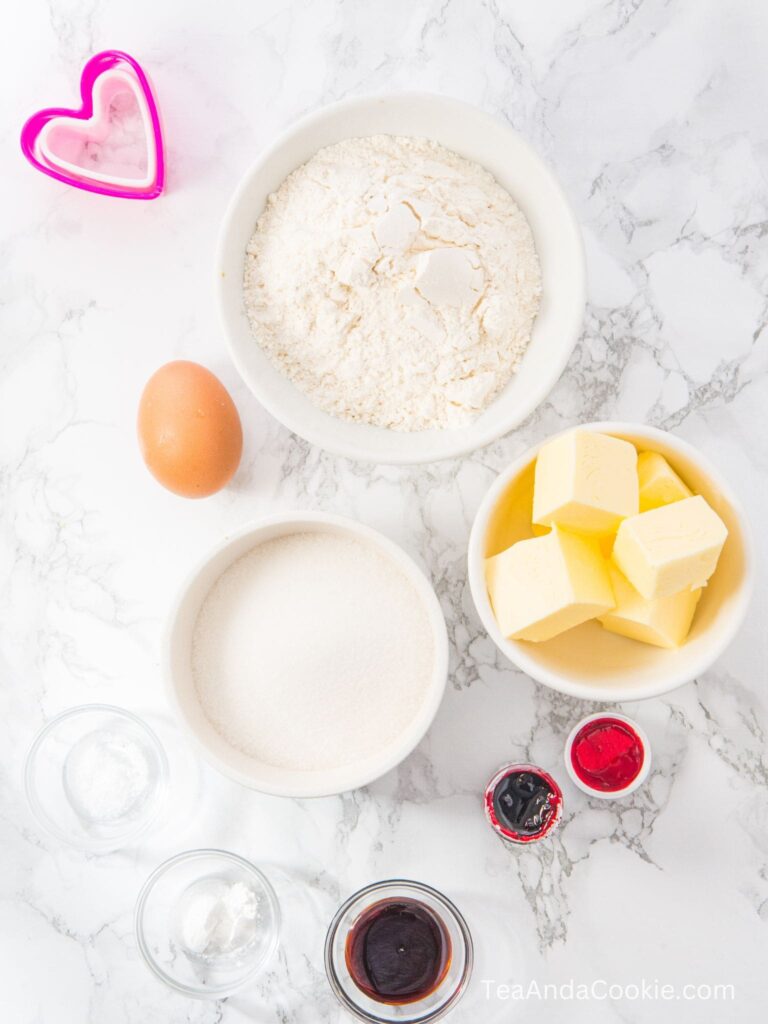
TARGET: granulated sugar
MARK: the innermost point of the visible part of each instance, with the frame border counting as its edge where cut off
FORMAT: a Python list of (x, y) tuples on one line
[(312, 651)]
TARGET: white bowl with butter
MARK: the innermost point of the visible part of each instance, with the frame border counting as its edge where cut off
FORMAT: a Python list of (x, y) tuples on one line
[(588, 661), (479, 137)]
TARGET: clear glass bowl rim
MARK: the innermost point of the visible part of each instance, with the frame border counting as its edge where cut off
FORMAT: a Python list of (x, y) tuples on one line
[(41, 815), (210, 991), (381, 889)]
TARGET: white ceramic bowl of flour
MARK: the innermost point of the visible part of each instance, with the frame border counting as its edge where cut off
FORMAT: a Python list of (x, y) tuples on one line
[(268, 667), (472, 134)]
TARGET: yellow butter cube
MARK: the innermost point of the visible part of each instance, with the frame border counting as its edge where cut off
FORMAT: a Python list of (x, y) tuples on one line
[(543, 586), (663, 622), (672, 548), (585, 482), (659, 483)]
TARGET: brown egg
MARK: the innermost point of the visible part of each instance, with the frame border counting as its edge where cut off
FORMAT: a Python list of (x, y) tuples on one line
[(189, 430)]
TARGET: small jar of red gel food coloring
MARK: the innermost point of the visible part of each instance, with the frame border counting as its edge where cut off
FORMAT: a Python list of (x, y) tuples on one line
[(607, 755), (523, 803)]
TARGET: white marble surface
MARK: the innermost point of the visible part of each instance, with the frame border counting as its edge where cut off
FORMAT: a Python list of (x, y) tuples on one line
[(653, 115)]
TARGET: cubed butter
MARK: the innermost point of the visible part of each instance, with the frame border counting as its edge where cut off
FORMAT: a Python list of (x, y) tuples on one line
[(659, 483), (543, 586), (672, 548), (585, 482), (664, 621)]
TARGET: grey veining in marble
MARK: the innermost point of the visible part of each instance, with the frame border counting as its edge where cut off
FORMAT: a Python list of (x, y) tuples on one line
[(652, 113)]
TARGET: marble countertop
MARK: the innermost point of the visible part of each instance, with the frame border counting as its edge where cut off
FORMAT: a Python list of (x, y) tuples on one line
[(653, 116)]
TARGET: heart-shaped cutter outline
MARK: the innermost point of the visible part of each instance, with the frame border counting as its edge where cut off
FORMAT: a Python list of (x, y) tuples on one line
[(109, 84), (69, 174)]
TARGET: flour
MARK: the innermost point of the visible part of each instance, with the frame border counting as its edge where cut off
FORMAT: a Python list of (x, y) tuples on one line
[(393, 282), (312, 651)]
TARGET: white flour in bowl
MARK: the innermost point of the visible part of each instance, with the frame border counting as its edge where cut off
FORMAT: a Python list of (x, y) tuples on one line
[(312, 651), (394, 282)]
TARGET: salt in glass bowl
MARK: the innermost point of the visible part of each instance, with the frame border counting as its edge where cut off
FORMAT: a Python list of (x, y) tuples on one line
[(65, 773), (157, 933)]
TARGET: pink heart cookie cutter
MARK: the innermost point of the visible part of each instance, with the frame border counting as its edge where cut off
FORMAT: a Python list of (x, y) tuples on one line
[(52, 138)]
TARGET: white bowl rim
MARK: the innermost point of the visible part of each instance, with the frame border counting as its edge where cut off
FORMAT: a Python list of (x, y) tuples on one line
[(515, 651), (314, 783), (535, 395), (645, 766)]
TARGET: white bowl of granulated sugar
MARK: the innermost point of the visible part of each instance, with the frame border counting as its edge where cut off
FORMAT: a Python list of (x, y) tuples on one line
[(307, 655), (401, 278)]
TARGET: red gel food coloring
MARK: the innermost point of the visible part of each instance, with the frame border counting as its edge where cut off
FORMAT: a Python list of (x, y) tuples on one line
[(607, 754), (398, 951)]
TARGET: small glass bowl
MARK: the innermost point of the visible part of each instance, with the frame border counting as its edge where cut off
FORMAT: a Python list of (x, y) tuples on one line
[(452, 986), (156, 920), (72, 764), (499, 827)]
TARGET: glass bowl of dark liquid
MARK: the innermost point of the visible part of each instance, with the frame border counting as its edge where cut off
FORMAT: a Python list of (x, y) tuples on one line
[(398, 951)]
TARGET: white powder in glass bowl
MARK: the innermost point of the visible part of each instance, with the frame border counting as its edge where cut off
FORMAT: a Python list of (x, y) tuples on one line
[(312, 651), (394, 282)]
